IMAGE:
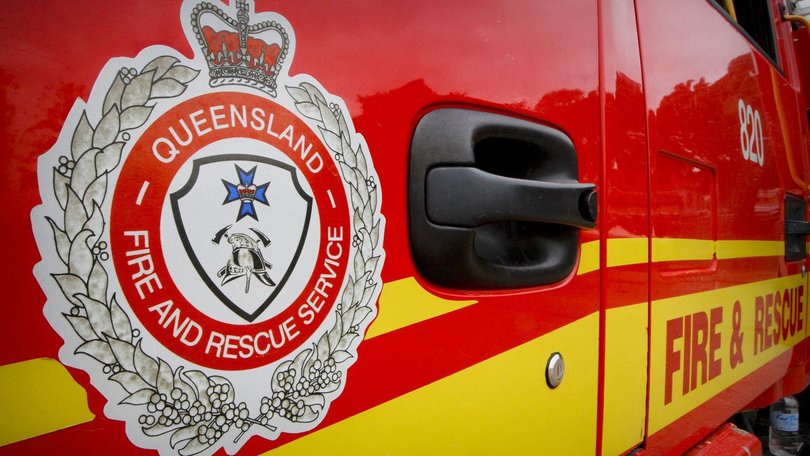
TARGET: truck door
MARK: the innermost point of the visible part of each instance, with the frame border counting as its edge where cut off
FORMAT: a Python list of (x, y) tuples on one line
[(727, 169), (624, 217)]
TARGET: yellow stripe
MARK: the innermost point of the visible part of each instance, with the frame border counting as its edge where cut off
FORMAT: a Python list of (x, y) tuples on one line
[(728, 250), (589, 257), (404, 302), (500, 406), (39, 396), (625, 378), (673, 249), (626, 251), (630, 251), (677, 308)]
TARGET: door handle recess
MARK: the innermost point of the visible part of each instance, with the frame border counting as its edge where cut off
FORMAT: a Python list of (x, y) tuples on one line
[(470, 197), (494, 201), (796, 228)]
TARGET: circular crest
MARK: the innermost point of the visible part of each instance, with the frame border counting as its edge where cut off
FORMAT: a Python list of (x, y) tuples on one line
[(196, 239)]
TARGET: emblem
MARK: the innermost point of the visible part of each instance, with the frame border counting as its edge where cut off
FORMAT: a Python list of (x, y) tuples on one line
[(211, 237), (229, 258)]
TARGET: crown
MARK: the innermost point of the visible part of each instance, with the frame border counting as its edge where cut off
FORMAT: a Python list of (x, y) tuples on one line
[(237, 52)]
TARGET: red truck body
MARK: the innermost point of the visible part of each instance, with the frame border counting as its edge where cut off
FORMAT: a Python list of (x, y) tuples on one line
[(676, 292)]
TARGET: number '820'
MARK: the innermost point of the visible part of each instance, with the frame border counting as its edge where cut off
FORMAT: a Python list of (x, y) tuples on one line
[(751, 140)]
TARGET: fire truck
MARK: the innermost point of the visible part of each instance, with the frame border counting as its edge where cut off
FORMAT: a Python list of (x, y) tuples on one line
[(422, 227)]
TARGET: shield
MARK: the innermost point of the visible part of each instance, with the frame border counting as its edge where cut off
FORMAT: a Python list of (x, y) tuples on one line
[(242, 220)]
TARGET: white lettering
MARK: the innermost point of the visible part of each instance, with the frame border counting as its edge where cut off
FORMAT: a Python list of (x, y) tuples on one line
[(167, 154), (216, 116), (257, 119), (196, 122), (240, 116)]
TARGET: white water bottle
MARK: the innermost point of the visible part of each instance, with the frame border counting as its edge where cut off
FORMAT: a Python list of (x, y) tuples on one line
[(783, 438)]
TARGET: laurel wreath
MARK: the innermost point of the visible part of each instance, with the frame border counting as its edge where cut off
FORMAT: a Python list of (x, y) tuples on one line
[(299, 385), (195, 408)]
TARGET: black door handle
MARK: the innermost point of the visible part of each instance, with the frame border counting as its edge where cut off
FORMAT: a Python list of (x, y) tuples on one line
[(494, 201), (470, 197), (796, 228)]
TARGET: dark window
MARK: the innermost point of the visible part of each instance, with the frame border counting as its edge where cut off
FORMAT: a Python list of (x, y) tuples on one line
[(753, 17)]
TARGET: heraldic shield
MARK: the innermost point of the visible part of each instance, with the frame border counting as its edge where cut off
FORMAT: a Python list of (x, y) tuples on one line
[(243, 221)]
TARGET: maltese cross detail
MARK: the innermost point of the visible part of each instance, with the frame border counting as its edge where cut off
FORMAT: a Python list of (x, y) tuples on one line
[(246, 192)]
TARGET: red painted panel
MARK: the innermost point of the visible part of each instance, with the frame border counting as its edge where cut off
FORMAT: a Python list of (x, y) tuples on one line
[(728, 440)]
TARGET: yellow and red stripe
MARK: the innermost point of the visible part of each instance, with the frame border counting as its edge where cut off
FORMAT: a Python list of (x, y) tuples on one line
[(486, 394)]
